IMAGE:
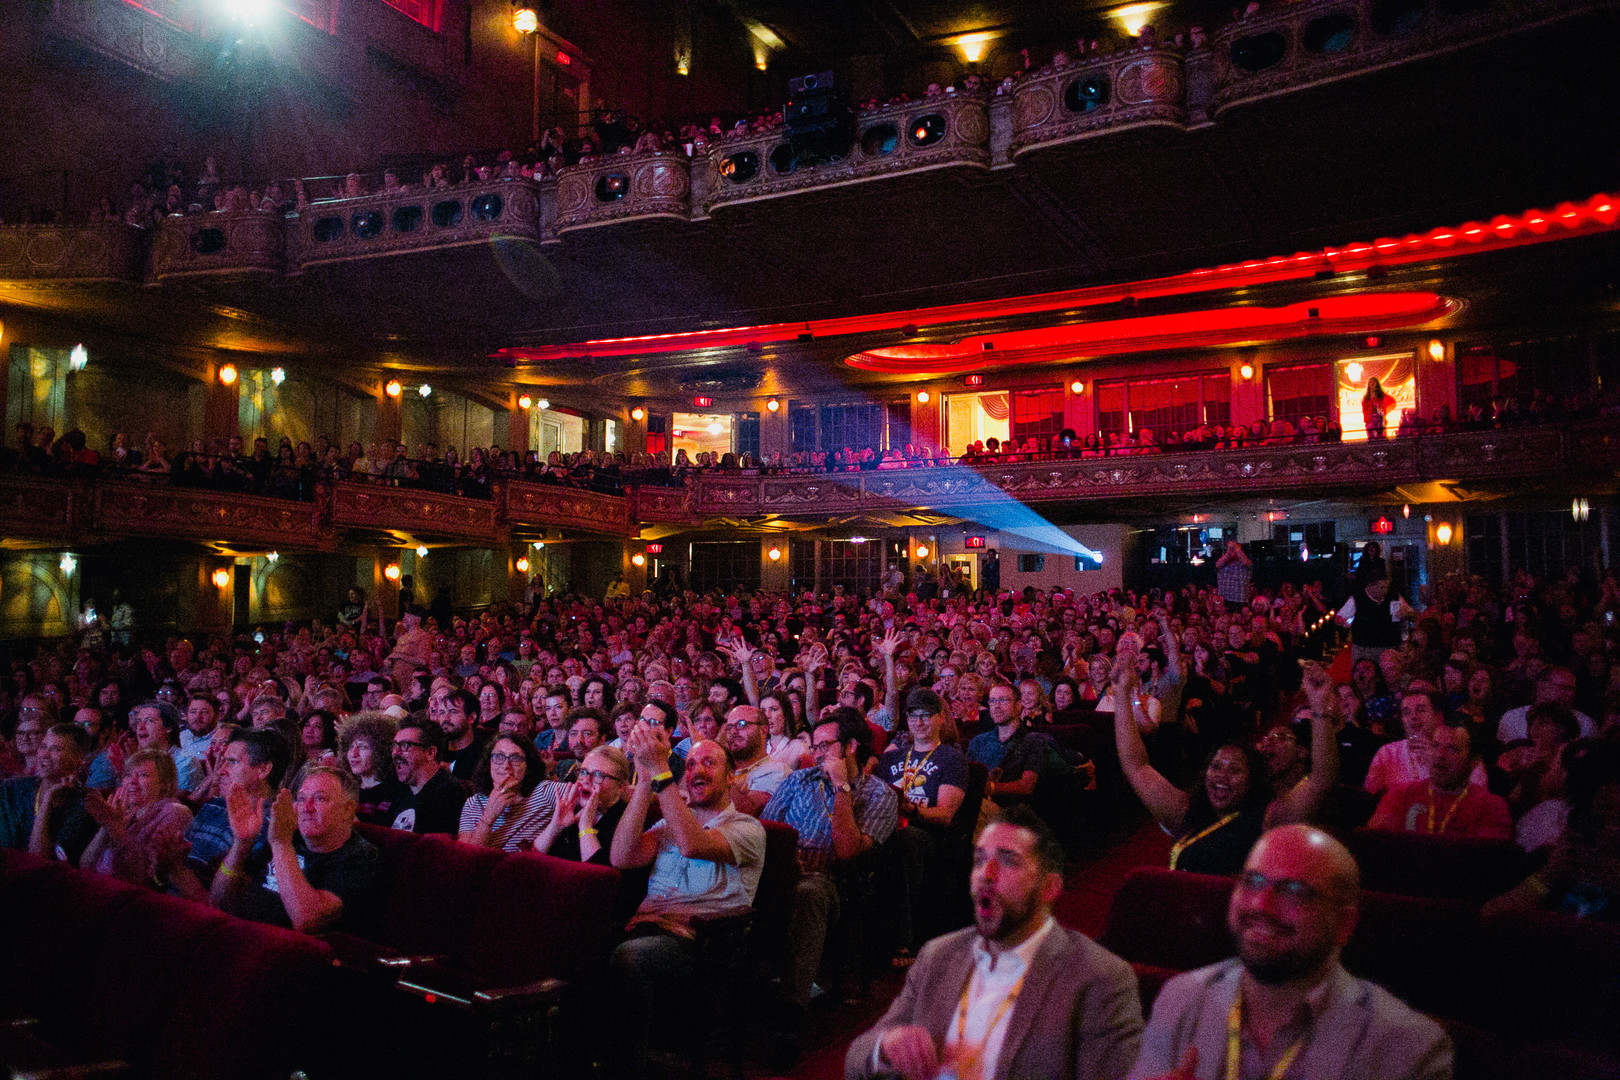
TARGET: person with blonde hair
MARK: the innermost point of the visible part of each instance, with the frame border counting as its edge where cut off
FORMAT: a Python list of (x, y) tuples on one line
[(143, 825)]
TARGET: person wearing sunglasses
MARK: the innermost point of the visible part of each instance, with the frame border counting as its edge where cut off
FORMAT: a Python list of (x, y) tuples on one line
[(1285, 1004)]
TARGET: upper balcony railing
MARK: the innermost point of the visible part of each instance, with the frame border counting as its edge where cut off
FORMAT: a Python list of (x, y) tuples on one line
[(1372, 465), (1258, 56), (87, 508)]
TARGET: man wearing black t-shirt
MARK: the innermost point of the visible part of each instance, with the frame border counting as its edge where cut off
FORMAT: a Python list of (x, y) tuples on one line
[(433, 804), (463, 745), (319, 874)]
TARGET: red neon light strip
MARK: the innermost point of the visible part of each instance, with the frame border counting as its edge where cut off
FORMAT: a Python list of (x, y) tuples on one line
[(1210, 327), (1595, 215)]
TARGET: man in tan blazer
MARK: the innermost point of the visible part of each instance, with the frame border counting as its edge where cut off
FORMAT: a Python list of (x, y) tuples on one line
[(1016, 996)]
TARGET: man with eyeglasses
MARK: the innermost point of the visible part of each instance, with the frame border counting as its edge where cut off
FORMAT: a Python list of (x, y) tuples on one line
[(841, 813), (755, 776), (435, 799), (1284, 1004)]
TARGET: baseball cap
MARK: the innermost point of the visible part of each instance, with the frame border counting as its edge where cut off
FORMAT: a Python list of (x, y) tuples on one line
[(921, 698)]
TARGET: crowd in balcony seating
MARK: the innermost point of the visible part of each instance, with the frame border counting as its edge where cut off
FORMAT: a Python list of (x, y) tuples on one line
[(295, 470), (565, 723)]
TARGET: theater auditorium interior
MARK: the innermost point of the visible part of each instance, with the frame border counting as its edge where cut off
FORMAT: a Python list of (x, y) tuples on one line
[(680, 538)]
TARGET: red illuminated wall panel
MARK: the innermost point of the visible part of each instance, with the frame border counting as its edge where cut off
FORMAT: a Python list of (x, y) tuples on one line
[(425, 12)]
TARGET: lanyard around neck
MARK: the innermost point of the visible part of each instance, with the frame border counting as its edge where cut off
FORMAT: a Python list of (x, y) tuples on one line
[(1234, 1045), (969, 1057), (1434, 796), (1186, 842)]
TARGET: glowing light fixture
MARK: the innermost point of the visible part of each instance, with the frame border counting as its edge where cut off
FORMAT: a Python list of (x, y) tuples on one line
[(542, 404), (68, 563), (391, 571), (421, 551), (1078, 387), (525, 20), (683, 65), (522, 564), (1353, 371), (1437, 350), (278, 375), (714, 427), (1406, 510), (525, 402), (922, 551), (775, 553), (393, 388), (272, 556), (773, 405), (638, 559), (972, 46), (857, 539), (638, 414), (538, 544), (1132, 17), (79, 357), (1247, 371), (425, 390), (922, 397), (221, 578), (1442, 534), (227, 374), (1580, 510)]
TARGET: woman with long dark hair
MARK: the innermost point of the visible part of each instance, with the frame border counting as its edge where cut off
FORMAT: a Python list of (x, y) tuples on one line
[(1375, 406)]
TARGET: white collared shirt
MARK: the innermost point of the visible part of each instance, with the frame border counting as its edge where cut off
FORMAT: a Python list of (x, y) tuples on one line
[(994, 976)]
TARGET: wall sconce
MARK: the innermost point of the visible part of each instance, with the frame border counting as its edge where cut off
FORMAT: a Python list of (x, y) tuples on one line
[(525, 20), (638, 559), (775, 553), (227, 375), (542, 404), (1442, 534), (391, 571), (522, 564), (922, 397), (221, 578), (272, 556), (1437, 350), (78, 357), (1406, 510), (972, 46), (425, 390), (638, 414), (67, 564), (538, 544), (393, 388), (1246, 371), (421, 551), (278, 375), (1077, 387), (525, 402), (922, 551), (773, 405)]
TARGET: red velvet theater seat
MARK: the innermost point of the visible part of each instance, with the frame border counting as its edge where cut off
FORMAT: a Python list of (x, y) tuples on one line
[(1169, 919), (1413, 864)]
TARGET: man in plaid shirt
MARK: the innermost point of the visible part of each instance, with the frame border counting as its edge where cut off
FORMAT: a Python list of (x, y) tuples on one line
[(840, 813)]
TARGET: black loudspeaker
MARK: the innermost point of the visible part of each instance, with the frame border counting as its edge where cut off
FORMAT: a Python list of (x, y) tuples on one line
[(820, 123)]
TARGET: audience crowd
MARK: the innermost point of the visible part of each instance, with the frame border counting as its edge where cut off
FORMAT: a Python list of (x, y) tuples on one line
[(656, 733)]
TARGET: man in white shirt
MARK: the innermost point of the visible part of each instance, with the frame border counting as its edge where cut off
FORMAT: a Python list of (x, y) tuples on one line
[(1407, 760), (1016, 994), (1557, 686)]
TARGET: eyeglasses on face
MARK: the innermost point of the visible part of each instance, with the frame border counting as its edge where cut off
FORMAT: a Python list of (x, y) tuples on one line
[(499, 758), (405, 744), (744, 725), (599, 776), (1292, 890), (823, 747)]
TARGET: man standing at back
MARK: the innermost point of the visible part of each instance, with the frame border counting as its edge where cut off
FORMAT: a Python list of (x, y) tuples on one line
[(1285, 1005), (1015, 995)]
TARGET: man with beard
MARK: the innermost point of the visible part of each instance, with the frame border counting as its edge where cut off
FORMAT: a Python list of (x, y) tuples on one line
[(1015, 994), (706, 859), (1284, 1004)]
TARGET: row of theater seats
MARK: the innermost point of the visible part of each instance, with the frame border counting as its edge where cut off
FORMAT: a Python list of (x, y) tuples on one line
[(460, 968), (1524, 996)]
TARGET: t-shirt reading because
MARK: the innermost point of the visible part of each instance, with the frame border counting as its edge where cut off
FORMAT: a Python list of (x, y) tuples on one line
[(918, 775)]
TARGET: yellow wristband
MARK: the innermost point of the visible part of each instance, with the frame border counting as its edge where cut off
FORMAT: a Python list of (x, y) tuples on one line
[(661, 777), (228, 872), (583, 831)]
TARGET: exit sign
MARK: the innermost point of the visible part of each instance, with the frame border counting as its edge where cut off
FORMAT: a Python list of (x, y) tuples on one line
[(655, 549), (973, 541), (702, 402)]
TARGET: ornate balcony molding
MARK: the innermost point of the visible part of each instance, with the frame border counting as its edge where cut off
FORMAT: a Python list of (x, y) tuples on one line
[(374, 506), (104, 251), (957, 133), (664, 505), (247, 244), (341, 230), (1347, 466), (1318, 41), (157, 46), (1107, 94), (547, 504), (36, 507), (125, 508), (624, 187)]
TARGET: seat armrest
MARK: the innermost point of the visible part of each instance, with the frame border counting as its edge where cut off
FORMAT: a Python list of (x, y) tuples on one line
[(411, 963), (540, 991), (444, 986)]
